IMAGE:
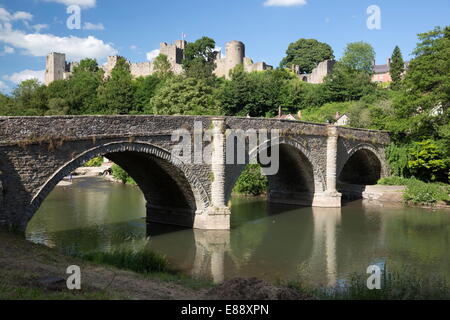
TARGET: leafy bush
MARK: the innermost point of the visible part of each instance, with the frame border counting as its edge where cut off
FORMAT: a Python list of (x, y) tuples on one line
[(251, 181), (418, 191), (119, 174), (94, 162), (428, 193), (398, 158), (428, 162)]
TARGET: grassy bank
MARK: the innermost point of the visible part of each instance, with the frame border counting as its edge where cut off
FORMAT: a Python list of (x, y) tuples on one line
[(23, 263), (403, 284), (419, 192)]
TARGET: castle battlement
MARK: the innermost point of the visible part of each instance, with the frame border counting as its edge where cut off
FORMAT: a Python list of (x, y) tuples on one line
[(58, 69)]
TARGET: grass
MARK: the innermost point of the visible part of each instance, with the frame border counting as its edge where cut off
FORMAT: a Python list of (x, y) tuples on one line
[(419, 192), (406, 284), (141, 260), (9, 292), (23, 263)]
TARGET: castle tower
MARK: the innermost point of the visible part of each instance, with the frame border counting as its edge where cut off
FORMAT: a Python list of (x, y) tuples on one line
[(55, 67), (235, 54)]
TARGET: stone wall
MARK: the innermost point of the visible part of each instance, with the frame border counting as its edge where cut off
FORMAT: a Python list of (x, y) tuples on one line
[(37, 152)]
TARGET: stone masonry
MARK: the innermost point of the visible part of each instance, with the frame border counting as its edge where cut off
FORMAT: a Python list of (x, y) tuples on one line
[(315, 162), (57, 68)]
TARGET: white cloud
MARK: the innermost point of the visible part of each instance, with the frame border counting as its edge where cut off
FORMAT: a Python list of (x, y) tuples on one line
[(3, 86), (81, 3), (92, 26), (8, 50), (284, 3), (152, 54), (39, 27), (22, 15), (39, 45), (18, 77), (6, 16)]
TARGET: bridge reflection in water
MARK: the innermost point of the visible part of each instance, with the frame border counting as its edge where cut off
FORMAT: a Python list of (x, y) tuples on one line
[(273, 242)]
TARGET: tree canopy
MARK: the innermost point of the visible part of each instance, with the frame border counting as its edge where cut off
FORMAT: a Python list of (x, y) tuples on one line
[(307, 54), (359, 57), (199, 57), (397, 67)]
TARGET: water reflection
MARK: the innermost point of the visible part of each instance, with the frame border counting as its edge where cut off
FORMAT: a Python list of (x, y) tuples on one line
[(267, 241)]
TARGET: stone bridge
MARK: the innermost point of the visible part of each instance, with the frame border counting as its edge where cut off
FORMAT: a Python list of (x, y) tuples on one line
[(316, 163)]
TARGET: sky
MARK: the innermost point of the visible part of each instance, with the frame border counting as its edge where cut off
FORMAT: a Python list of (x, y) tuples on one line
[(30, 29)]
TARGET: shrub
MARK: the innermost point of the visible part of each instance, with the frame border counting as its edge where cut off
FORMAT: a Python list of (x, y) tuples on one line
[(251, 181), (121, 175), (428, 162), (94, 162), (418, 191)]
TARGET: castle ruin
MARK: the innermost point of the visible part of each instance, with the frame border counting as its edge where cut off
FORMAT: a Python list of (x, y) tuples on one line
[(318, 74), (57, 68)]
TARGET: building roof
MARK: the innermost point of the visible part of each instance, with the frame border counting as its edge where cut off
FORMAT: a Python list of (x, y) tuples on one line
[(381, 68), (385, 68)]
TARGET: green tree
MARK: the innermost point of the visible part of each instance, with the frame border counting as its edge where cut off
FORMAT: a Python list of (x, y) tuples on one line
[(117, 93), (162, 66), (251, 181), (7, 107), (81, 88), (359, 57), (144, 90), (185, 96), (422, 107), (30, 98), (57, 106), (259, 94), (307, 54), (397, 67), (199, 57), (346, 84)]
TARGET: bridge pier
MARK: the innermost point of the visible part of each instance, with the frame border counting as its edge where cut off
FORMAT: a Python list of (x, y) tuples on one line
[(330, 198), (217, 216)]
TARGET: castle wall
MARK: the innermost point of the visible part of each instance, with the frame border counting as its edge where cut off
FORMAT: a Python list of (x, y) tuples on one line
[(319, 73), (57, 68)]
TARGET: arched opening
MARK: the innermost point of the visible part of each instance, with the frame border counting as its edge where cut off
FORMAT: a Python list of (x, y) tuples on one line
[(293, 183), (361, 169), (166, 191)]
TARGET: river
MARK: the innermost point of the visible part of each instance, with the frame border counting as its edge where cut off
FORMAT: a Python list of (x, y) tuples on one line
[(273, 242)]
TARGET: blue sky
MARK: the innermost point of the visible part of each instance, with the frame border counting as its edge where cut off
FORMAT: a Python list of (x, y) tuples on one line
[(29, 29)]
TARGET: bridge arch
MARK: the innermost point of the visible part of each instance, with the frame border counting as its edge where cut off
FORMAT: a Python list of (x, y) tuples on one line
[(362, 165), (298, 178), (166, 182)]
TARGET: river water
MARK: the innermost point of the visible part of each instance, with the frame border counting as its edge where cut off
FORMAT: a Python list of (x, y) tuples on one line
[(272, 242)]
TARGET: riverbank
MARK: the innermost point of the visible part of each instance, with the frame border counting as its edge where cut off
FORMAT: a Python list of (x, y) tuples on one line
[(34, 272), (25, 265)]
